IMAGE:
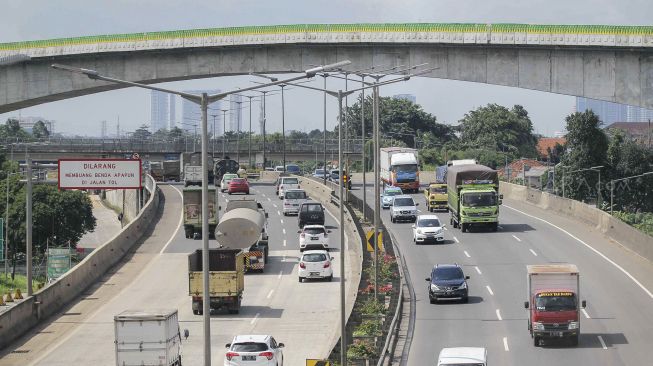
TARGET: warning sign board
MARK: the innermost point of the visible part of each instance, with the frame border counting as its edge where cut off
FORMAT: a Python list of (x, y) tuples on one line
[(369, 235), (99, 174), (312, 362)]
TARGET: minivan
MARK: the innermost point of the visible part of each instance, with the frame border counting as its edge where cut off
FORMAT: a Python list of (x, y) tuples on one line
[(286, 183), (293, 169), (292, 199), (310, 213)]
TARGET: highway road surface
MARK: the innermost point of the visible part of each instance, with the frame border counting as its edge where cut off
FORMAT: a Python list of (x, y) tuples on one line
[(304, 316), (616, 326)]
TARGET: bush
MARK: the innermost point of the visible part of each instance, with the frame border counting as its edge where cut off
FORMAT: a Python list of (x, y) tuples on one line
[(642, 221), (361, 350), (369, 327), (371, 307)]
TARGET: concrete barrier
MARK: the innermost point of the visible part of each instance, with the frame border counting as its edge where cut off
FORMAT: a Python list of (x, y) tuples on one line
[(612, 227), (28, 313)]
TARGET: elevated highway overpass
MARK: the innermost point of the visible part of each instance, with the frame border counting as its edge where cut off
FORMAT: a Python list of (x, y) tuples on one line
[(613, 63)]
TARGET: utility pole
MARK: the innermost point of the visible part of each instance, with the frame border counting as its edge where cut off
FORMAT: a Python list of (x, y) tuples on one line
[(249, 147), (224, 131), (363, 146), (213, 140), (240, 114), (28, 223), (325, 75), (377, 187)]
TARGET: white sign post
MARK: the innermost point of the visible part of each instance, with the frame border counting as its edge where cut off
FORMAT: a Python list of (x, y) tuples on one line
[(100, 174)]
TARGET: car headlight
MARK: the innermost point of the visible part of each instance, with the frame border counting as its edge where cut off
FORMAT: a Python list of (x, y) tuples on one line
[(573, 325), (463, 286), (538, 326), (438, 231), (419, 231), (434, 287)]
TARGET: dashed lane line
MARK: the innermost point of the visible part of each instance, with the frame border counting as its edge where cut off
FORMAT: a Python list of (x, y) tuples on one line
[(284, 242), (275, 205), (499, 314), (456, 239), (489, 289), (649, 293), (516, 238), (478, 270), (602, 342), (467, 254), (280, 274), (255, 318), (533, 252), (270, 294), (585, 313), (282, 221), (505, 344), (278, 212), (284, 231)]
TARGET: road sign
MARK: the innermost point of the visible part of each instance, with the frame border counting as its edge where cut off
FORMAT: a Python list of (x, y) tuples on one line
[(370, 239), (59, 262), (100, 174), (135, 156), (312, 362)]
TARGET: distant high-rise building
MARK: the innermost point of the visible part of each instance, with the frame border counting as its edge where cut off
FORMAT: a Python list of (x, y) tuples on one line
[(191, 114), (103, 129), (172, 103), (409, 97), (235, 112), (158, 110), (610, 112)]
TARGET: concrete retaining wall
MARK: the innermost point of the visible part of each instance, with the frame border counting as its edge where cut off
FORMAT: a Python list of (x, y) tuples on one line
[(612, 227), (49, 300), (114, 197)]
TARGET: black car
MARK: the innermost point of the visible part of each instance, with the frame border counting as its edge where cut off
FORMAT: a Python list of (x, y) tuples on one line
[(447, 281), (310, 213)]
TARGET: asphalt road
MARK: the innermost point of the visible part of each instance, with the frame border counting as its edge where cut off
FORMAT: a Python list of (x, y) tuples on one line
[(615, 327), (304, 316)]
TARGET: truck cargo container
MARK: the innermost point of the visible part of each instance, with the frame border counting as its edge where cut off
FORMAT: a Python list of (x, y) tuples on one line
[(192, 199), (226, 279), (473, 196), (400, 168)]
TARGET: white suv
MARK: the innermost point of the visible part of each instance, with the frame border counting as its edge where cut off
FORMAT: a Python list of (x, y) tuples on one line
[(427, 228), (403, 208), (313, 237), (315, 264), (254, 350), (286, 183)]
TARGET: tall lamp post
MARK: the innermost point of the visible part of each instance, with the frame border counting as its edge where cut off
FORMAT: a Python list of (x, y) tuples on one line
[(612, 182), (213, 139), (340, 95), (203, 100), (224, 131)]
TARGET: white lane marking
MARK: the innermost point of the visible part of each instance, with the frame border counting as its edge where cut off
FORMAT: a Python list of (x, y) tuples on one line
[(280, 274), (499, 314), (516, 238), (269, 199), (284, 231), (263, 194), (489, 290), (181, 220), (478, 270), (585, 313), (419, 211), (255, 318), (278, 212), (283, 259), (456, 239), (282, 221), (445, 228), (270, 294), (467, 254), (649, 293), (533, 252), (284, 242), (505, 344), (275, 205), (602, 342)]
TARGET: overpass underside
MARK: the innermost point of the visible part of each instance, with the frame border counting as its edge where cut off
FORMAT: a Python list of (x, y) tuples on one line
[(617, 74)]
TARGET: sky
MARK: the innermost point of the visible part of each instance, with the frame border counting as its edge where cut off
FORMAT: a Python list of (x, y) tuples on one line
[(446, 99)]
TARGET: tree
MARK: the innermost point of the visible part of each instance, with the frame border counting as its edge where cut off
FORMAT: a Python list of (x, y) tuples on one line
[(142, 133), (12, 130), (498, 128), (40, 130), (587, 146)]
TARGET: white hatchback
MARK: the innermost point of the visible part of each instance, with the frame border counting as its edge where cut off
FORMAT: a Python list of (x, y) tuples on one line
[(428, 228), (254, 350), (286, 183), (292, 199), (313, 237), (315, 264)]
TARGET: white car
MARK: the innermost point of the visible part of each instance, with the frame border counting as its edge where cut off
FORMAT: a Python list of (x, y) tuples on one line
[(292, 199), (286, 183), (254, 350), (315, 264), (472, 356), (403, 208), (224, 183), (313, 237), (428, 228)]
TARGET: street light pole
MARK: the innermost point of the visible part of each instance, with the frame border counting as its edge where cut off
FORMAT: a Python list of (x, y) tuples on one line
[(240, 114), (377, 186), (213, 139), (249, 145), (224, 131), (283, 126), (363, 146), (206, 303), (325, 76), (28, 223)]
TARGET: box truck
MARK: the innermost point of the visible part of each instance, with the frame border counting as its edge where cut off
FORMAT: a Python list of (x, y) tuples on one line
[(553, 305), (400, 168), (473, 196), (226, 279)]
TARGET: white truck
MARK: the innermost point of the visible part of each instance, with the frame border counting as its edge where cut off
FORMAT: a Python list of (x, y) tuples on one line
[(148, 338), (554, 309), (460, 356), (400, 168), (192, 175)]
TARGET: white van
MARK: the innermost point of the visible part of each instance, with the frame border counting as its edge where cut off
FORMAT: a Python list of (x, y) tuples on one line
[(286, 183), (292, 199), (459, 356)]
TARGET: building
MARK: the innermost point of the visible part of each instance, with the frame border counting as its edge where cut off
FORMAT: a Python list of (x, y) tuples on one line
[(610, 112), (191, 114), (409, 97), (159, 110), (235, 112), (640, 132), (545, 144)]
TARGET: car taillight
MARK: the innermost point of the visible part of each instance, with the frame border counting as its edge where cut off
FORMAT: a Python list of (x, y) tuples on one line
[(231, 355), (327, 264), (267, 354), (302, 265)]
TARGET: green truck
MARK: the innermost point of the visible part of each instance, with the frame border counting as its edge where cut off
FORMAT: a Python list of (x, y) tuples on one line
[(193, 212), (473, 196), (226, 280)]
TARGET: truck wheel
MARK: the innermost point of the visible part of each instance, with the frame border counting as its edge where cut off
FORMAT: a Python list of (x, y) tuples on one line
[(463, 227), (574, 340), (495, 227), (300, 279), (536, 341)]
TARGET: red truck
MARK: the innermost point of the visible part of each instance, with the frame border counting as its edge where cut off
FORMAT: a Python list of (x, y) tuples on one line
[(553, 302)]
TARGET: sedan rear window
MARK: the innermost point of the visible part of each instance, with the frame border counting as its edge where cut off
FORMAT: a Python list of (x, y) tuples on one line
[(314, 257), (249, 347)]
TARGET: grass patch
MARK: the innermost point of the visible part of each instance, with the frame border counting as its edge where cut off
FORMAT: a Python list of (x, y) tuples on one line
[(20, 282)]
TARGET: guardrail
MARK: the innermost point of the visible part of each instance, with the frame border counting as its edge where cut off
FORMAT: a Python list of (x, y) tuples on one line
[(49, 300)]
